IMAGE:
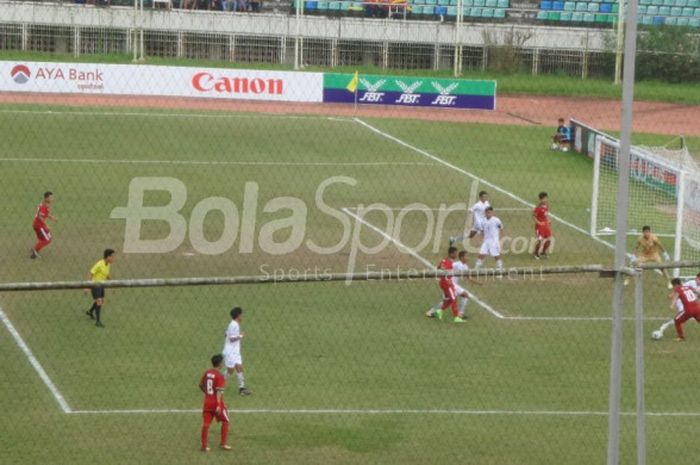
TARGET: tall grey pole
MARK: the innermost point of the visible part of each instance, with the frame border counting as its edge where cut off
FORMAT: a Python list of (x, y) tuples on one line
[(621, 236), (639, 368)]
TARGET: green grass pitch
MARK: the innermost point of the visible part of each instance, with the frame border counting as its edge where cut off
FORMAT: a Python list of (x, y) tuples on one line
[(347, 374)]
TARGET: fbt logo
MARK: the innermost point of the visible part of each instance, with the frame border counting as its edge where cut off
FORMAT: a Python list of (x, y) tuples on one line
[(21, 74), (408, 97), (371, 95), (445, 99)]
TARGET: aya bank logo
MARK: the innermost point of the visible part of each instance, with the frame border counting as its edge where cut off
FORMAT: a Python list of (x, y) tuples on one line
[(20, 74)]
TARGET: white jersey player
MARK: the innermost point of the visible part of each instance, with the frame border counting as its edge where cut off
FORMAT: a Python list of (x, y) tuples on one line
[(478, 215), (693, 284), (232, 350), (492, 227), (463, 295)]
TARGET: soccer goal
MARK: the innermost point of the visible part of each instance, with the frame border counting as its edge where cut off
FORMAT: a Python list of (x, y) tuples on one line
[(664, 193)]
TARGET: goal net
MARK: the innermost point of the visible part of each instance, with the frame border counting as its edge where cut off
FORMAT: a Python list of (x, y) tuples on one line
[(664, 193)]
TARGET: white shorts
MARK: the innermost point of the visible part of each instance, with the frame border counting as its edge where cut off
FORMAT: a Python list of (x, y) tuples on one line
[(492, 248), (477, 226), (459, 290), (232, 359)]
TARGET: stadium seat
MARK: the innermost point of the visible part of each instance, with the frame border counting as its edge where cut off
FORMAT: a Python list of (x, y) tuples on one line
[(569, 6), (669, 2), (616, 8), (641, 10), (554, 15), (658, 21), (480, 3), (645, 2), (566, 16), (646, 19), (577, 17), (431, 2), (310, 5), (499, 13), (440, 10), (557, 5), (322, 6), (687, 11), (605, 8), (676, 11), (694, 22), (593, 8), (443, 2), (491, 3), (546, 5), (683, 21), (681, 2), (697, 13), (475, 12), (487, 13), (588, 17), (451, 11), (582, 6), (664, 10), (671, 21), (657, 2), (503, 3), (334, 6), (542, 15), (694, 3), (652, 10), (468, 3)]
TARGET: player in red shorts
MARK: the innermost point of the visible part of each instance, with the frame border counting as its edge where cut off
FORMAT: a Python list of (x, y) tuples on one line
[(212, 385), (691, 307), (448, 289), (43, 235), (543, 228)]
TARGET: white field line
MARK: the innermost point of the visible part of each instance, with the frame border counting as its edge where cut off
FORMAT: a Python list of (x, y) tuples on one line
[(263, 411), (175, 115), (422, 259), (478, 301), (475, 177), (35, 363), (97, 161), (432, 209)]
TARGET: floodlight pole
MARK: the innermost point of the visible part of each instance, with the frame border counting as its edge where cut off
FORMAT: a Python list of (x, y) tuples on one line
[(458, 39), (620, 41), (298, 47), (615, 394)]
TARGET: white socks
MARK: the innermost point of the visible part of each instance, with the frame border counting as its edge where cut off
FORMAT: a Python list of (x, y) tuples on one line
[(241, 381), (463, 301), (666, 325)]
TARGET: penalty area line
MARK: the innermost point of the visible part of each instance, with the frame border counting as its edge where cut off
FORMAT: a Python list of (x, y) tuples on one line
[(475, 177), (422, 259), (97, 161), (35, 363)]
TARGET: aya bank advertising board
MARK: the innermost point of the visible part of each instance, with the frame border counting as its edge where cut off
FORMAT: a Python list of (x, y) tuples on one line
[(409, 91), (169, 81)]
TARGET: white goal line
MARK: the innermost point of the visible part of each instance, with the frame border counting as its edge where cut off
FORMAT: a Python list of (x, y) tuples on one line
[(161, 114)]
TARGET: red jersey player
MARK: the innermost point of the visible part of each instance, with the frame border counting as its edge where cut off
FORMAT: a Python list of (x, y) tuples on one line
[(691, 307), (448, 288), (543, 229), (212, 385), (43, 235)]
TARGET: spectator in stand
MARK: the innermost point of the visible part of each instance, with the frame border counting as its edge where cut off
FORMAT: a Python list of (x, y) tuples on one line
[(255, 6), (241, 5)]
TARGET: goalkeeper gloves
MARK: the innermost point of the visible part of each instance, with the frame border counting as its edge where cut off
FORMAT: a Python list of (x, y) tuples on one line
[(667, 257)]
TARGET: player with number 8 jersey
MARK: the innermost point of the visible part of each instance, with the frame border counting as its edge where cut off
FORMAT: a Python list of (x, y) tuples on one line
[(212, 385), (691, 307)]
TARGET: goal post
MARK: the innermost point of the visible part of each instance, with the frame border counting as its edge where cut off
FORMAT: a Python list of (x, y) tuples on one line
[(659, 195)]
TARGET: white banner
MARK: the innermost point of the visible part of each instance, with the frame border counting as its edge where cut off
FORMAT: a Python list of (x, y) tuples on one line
[(172, 81)]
